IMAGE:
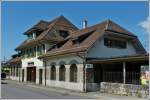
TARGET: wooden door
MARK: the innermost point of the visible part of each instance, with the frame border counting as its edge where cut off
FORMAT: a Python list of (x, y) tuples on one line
[(33, 74), (22, 75), (40, 76)]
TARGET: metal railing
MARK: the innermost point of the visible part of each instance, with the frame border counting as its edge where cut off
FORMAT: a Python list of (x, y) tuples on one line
[(117, 77)]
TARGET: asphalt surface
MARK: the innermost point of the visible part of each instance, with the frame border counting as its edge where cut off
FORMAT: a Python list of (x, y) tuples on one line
[(18, 91), (15, 90)]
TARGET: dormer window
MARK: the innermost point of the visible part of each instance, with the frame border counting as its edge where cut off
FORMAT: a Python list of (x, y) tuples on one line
[(75, 40), (32, 36), (58, 45), (80, 39), (63, 33), (54, 46)]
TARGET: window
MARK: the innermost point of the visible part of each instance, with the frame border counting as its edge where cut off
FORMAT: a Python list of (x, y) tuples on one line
[(112, 43), (62, 71), (63, 33), (80, 39), (23, 54), (38, 50), (30, 36), (58, 45), (41, 49), (34, 51), (31, 64), (17, 71), (28, 53), (53, 73), (73, 73)]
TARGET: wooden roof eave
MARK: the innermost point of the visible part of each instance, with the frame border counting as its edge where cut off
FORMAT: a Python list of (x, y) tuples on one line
[(79, 54), (120, 59), (54, 54)]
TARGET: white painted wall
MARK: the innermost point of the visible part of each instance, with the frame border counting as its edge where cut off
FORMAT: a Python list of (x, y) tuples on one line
[(100, 50), (37, 62)]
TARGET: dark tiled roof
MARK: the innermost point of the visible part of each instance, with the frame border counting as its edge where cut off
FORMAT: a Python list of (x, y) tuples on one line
[(15, 60), (40, 25), (97, 30), (48, 35)]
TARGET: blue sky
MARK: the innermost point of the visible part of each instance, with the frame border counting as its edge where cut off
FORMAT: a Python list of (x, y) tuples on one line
[(17, 17)]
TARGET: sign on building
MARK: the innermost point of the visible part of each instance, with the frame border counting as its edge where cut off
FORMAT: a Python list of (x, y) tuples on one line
[(89, 65)]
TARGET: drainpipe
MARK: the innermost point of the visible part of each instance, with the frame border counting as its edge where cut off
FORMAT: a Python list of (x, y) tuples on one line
[(45, 70)]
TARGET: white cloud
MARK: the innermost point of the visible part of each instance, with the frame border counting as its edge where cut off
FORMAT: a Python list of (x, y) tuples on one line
[(146, 24)]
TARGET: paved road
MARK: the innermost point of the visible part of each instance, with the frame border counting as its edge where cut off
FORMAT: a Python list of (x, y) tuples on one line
[(18, 91), (15, 90)]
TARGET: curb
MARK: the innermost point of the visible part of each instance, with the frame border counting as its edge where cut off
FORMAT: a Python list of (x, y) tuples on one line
[(62, 91)]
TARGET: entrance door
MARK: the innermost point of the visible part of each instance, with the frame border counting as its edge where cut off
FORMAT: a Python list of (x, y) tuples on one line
[(31, 74), (40, 76), (22, 75)]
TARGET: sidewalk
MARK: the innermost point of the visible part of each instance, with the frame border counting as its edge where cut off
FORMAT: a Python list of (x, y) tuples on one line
[(94, 95)]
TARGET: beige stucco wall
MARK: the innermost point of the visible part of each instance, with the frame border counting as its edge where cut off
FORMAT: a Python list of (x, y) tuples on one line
[(78, 86)]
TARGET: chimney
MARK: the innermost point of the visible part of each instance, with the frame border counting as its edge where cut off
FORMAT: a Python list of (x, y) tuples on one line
[(84, 24)]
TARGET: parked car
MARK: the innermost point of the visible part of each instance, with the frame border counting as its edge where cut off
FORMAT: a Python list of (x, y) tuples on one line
[(3, 76)]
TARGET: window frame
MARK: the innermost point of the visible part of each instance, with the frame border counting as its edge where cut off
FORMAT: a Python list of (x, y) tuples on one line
[(114, 43)]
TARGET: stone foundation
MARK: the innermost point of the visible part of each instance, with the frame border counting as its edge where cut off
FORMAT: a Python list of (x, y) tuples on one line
[(92, 87), (124, 89), (65, 85)]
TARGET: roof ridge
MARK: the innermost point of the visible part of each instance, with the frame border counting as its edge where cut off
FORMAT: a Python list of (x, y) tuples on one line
[(101, 23), (122, 28), (54, 23)]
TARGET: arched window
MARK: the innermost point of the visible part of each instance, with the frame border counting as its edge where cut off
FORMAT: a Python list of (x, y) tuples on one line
[(53, 72), (73, 73), (62, 71)]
